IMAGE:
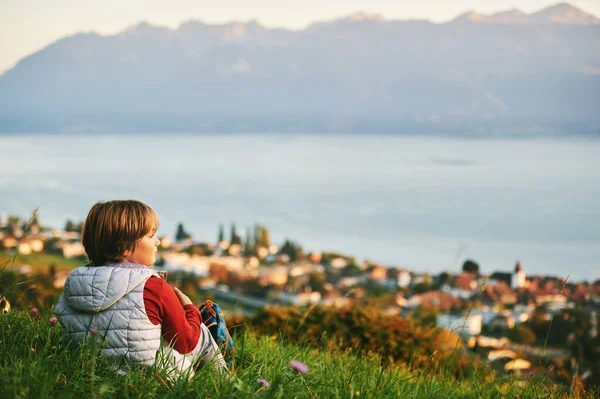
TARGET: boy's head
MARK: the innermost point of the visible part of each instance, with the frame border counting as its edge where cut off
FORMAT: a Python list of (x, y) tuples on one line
[(112, 229)]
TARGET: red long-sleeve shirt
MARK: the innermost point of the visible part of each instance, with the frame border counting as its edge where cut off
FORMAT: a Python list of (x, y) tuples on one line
[(180, 324)]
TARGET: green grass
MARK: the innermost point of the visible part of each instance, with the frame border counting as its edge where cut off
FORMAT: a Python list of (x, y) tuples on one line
[(39, 262), (57, 369)]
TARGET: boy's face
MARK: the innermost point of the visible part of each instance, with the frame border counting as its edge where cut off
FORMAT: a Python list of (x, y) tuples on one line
[(145, 249)]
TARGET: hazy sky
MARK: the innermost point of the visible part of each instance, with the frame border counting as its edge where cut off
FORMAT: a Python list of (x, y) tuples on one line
[(29, 25)]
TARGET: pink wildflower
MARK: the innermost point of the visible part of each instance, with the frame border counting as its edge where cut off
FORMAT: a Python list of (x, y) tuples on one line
[(33, 350), (52, 321), (262, 382), (35, 313), (299, 367), (93, 330)]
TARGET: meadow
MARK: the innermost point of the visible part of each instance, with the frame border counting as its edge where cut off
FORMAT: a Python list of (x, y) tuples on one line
[(291, 352), (37, 363)]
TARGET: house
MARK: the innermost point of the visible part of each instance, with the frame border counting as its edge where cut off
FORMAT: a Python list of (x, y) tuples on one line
[(517, 365), (203, 265), (273, 276), (17, 231), (486, 313), (463, 286), (302, 298), (70, 235), (438, 299), (500, 354), (499, 293), (464, 325), (34, 229), (346, 282), (502, 322), (235, 250), (207, 283), (555, 299), (338, 301), (315, 257), (253, 262), (488, 342), (404, 278), (28, 245), (420, 278), (262, 252), (522, 313), (165, 242), (24, 248), (498, 277), (300, 269), (72, 249), (339, 263), (9, 242), (36, 243), (519, 279), (378, 273)]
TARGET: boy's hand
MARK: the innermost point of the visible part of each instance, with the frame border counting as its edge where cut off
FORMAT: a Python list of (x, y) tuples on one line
[(184, 299)]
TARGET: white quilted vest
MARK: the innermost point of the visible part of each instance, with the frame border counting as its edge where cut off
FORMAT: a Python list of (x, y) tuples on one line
[(111, 300)]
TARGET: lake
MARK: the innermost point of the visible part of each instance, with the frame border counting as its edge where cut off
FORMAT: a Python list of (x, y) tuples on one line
[(423, 203)]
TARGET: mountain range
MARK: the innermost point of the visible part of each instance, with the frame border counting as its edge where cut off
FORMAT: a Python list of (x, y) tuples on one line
[(506, 73)]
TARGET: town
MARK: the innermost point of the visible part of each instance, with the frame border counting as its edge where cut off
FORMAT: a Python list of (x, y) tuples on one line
[(513, 319)]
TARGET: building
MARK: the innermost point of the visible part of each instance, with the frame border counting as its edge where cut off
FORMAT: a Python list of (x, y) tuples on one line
[(464, 325), (404, 278), (72, 249), (518, 279), (302, 298), (9, 242), (502, 322)]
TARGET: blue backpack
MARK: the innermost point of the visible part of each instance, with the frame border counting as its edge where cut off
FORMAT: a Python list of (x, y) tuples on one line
[(212, 317)]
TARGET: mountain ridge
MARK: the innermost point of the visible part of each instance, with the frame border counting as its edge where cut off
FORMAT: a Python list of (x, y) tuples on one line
[(360, 73), (561, 13)]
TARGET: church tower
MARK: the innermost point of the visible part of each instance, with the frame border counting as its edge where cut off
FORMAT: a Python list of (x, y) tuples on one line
[(518, 280)]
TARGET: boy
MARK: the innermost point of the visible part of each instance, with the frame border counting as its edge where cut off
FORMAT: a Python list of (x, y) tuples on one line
[(121, 299)]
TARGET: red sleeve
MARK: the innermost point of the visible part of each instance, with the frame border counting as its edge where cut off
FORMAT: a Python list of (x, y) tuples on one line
[(180, 324)]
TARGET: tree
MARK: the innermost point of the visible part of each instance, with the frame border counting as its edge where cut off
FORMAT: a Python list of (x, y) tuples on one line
[(317, 283), (249, 245), (420, 288), (221, 233), (521, 335), (14, 220), (425, 316), (292, 250), (181, 234), (443, 278), (261, 236), (70, 226), (235, 238), (470, 266), (199, 249), (34, 218)]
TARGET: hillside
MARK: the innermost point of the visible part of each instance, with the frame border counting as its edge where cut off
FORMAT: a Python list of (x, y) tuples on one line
[(349, 352), (536, 72), (37, 363)]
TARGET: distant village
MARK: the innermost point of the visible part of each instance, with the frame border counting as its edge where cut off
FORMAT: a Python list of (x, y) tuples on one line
[(504, 313)]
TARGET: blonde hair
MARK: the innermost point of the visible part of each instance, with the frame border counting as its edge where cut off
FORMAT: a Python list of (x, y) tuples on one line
[(112, 228)]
